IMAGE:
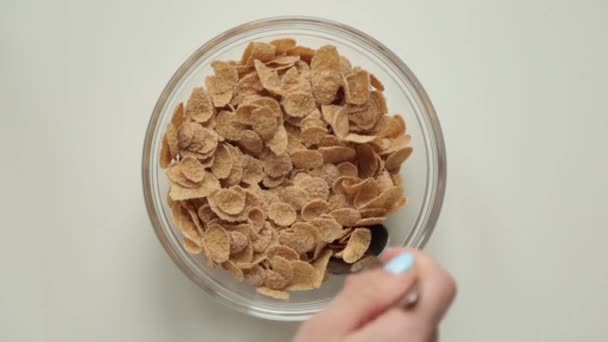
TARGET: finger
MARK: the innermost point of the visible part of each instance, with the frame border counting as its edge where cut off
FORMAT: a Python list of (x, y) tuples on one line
[(436, 289), (368, 294), (394, 325)]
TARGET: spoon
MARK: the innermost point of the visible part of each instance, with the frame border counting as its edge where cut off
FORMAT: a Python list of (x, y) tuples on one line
[(371, 260), (376, 247)]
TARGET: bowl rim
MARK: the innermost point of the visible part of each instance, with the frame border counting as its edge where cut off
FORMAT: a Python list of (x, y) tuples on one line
[(436, 133)]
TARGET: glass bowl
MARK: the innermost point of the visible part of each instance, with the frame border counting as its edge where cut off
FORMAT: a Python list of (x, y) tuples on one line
[(424, 172)]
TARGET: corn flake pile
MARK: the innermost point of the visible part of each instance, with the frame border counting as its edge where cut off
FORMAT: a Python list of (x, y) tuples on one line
[(282, 161)]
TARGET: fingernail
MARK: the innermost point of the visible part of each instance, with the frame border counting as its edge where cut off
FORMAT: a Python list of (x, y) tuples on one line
[(400, 264)]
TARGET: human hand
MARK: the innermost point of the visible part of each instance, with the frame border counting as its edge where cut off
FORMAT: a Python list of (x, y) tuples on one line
[(373, 305)]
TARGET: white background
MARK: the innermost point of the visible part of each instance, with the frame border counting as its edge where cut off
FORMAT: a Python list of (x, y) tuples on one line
[(520, 89)]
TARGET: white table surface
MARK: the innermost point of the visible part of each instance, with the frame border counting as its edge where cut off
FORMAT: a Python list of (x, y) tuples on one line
[(521, 92)]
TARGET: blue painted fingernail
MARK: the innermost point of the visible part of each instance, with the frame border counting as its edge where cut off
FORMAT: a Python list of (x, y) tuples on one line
[(400, 264)]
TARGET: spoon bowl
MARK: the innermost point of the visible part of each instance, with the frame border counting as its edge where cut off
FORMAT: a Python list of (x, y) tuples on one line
[(376, 247)]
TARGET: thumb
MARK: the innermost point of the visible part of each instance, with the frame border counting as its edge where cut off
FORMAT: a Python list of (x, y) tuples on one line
[(369, 294)]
